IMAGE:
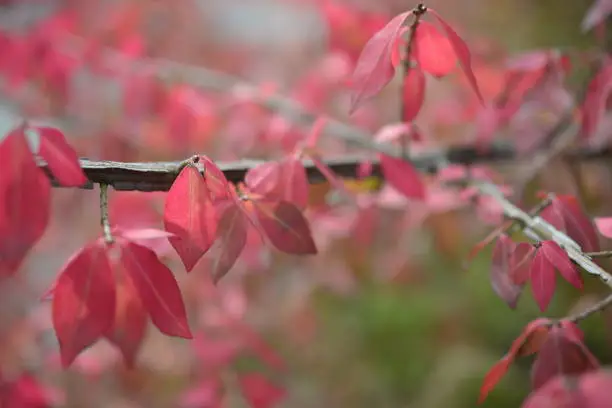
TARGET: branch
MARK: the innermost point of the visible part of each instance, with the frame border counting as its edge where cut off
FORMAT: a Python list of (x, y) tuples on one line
[(599, 306), (158, 176)]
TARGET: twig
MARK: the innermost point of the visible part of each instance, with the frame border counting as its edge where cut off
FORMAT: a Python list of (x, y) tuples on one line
[(600, 254), (597, 307), (104, 221)]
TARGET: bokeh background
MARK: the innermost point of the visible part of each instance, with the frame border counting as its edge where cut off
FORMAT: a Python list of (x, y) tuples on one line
[(393, 321)]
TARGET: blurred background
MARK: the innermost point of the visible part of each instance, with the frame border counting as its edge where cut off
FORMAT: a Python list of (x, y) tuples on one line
[(386, 315)]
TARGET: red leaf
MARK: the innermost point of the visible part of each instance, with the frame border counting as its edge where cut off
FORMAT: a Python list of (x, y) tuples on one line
[(264, 178), (462, 52), (413, 94), (594, 104), (259, 391), (24, 201), (501, 265), (217, 184), (402, 175), (560, 355), (283, 180), (433, 51), (590, 390), (522, 257), (83, 301), (577, 224), (557, 257), (232, 237), (285, 227), (374, 67), (543, 280), (130, 321), (60, 157), (157, 288), (295, 179), (494, 375), (604, 226), (599, 11), (190, 216)]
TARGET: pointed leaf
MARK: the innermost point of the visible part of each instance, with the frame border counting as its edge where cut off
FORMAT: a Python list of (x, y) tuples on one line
[(374, 67), (60, 157), (157, 287), (413, 94), (543, 280), (522, 256), (232, 239), (130, 323), (24, 202), (577, 224), (462, 52), (285, 227), (83, 301), (558, 257), (217, 184), (264, 178), (189, 215), (495, 374), (501, 265), (402, 175), (433, 51)]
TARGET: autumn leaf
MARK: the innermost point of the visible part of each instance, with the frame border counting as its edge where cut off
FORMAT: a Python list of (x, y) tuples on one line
[(285, 227), (558, 258), (566, 214), (413, 93), (189, 215), (604, 226), (216, 182), (590, 390), (157, 288), (232, 237), (501, 268), (60, 157), (402, 175), (83, 307), (374, 68), (281, 180), (543, 280), (433, 51), (461, 51), (494, 376), (24, 201)]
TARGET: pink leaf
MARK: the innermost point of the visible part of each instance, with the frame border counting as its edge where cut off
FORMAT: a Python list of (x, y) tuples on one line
[(543, 280), (413, 94), (557, 257), (402, 175), (522, 257), (462, 52), (157, 287), (232, 237), (433, 51), (501, 265), (374, 67), (259, 391), (61, 157)]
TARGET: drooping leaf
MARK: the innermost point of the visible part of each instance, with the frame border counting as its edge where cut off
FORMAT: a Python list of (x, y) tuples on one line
[(494, 376), (189, 215), (281, 180), (543, 280), (522, 256), (413, 93), (217, 183), (462, 51), (590, 390), (130, 322), (374, 67), (60, 157), (402, 175), (285, 227), (83, 301), (259, 391), (559, 259), (577, 224), (594, 104), (157, 288), (24, 201), (264, 178), (232, 237), (501, 266), (560, 355), (433, 51)]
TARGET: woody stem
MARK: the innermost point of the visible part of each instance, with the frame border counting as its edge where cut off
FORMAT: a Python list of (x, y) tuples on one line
[(108, 237)]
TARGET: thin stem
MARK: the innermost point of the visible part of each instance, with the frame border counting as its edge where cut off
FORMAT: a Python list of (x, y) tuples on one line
[(418, 12), (108, 237), (599, 254), (597, 307)]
